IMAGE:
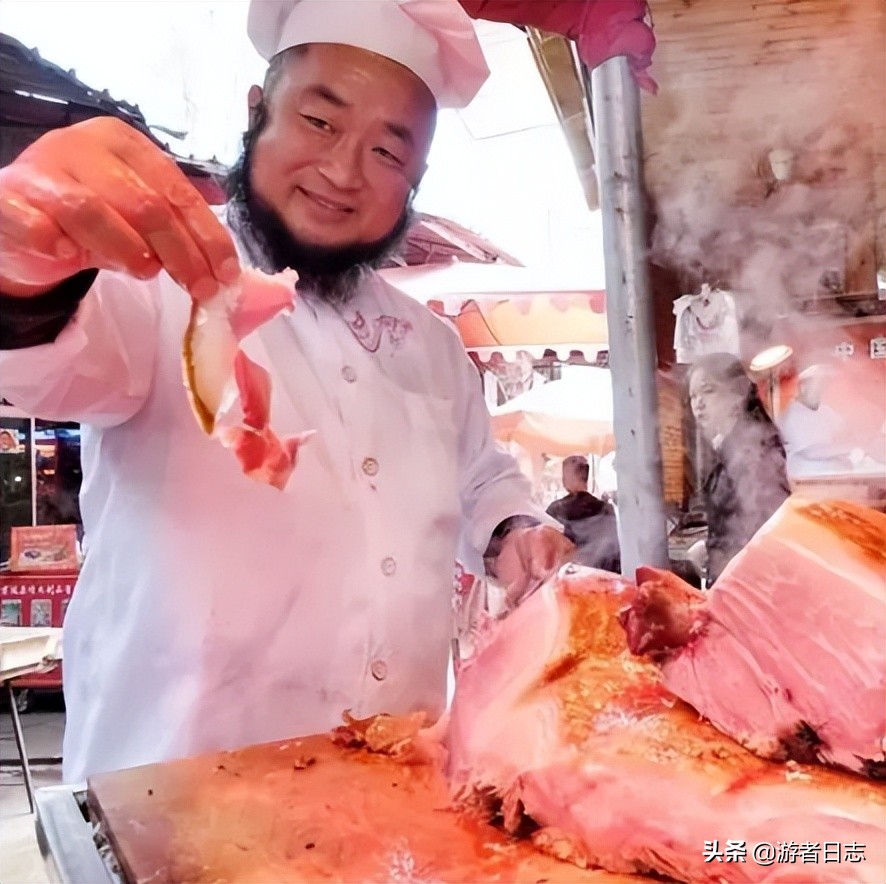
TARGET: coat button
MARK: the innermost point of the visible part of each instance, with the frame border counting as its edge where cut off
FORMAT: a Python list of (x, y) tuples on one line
[(388, 566), (370, 466), (349, 374), (379, 670)]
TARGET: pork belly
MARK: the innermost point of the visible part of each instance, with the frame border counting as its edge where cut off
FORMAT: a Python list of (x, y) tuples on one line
[(558, 731), (787, 652)]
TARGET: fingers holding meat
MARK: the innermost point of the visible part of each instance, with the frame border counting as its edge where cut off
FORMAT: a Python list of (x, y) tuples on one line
[(99, 194)]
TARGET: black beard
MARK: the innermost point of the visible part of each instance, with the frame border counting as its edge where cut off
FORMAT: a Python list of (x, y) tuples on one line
[(332, 274)]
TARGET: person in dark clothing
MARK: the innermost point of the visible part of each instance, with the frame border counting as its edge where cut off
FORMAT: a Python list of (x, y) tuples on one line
[(588, 522), (748, 481)]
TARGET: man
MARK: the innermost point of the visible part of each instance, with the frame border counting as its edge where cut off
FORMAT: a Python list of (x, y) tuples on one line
[(818, 439), (589, 522), (212, 611)]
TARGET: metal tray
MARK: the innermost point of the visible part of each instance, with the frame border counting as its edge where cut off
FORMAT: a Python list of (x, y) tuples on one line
[(73, 847)]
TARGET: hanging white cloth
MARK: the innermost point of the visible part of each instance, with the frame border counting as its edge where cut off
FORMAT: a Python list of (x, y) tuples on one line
[(707, 322)]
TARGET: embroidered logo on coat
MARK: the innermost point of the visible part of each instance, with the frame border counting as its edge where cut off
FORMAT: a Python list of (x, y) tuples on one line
[(369, 334)]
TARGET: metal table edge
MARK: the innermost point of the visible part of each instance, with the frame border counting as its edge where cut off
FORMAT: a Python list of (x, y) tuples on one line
[(65, 837)]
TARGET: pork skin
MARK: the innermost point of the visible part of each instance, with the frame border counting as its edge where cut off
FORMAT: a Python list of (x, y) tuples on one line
[(558, 730), (787, 652)]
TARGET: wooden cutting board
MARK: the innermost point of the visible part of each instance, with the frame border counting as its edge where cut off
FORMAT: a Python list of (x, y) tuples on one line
[(307, 810)]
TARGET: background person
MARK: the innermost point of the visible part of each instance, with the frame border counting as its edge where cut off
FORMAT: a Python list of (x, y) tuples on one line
[(748, 480), (589, 522)]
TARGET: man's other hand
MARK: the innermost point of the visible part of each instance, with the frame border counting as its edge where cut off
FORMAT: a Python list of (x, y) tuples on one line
[(527, 558)]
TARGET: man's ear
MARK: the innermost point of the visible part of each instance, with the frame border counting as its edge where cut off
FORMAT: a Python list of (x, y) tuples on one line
[(254, 99), (416, 182)]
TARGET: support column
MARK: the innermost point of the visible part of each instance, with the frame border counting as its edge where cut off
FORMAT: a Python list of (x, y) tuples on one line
[(616, 110)]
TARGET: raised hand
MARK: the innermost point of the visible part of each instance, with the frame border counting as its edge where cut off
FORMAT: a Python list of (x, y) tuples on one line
[(100, 194)]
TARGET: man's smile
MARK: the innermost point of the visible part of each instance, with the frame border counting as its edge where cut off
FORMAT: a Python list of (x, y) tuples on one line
[(335, 206)]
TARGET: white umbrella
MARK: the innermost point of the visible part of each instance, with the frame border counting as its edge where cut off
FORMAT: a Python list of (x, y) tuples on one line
[(572, 415)]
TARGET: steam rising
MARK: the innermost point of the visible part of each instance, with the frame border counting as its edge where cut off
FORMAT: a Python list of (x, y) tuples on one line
[(722, 214), (766, 182)]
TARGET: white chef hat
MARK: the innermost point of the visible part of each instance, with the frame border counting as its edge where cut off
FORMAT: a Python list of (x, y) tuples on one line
[(820, 372), (435, 39)]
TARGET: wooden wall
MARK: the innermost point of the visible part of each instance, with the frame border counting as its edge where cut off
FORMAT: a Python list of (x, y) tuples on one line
[(739, 78)]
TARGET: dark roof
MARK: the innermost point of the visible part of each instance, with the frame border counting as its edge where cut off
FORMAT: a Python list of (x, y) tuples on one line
[(37, 94), (435, 240)]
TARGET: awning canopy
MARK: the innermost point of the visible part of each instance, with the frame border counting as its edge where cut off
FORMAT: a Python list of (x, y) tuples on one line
[(500, 308), (435, 240), (601, 29)]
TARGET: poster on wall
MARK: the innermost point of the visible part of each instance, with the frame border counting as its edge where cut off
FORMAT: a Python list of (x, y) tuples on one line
[(41, 612), (44, 548), (10, 613), (11, 441)]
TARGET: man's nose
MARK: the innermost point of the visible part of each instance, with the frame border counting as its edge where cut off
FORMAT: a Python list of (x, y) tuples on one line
[(342, 164)]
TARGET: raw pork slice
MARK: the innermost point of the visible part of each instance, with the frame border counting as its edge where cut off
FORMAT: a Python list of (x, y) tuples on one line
[(787, 653), (218, 374), (556, 727)]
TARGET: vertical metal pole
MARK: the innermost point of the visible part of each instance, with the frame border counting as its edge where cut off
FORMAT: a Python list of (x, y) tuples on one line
[(20, 743), (33, 473), (616, 108)]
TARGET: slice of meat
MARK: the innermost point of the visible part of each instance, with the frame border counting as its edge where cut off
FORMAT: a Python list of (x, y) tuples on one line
[(218, 374), (787, 653), (556, 727)]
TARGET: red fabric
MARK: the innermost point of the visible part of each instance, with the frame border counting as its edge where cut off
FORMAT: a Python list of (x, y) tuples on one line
[(602, 29)]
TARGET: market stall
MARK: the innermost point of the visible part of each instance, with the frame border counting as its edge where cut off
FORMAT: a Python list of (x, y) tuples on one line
[(540, 344), (27, 655), (40, 476), (595, 690)]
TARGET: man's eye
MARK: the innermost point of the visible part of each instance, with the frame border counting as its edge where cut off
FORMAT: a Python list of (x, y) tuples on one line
[(388, 156), (317, 123)]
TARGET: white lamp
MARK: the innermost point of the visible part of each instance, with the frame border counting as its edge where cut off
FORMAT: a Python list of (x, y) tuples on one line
[(771, 358)]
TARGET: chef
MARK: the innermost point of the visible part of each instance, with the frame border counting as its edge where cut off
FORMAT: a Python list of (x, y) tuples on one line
[(214, 611), (821, 440)]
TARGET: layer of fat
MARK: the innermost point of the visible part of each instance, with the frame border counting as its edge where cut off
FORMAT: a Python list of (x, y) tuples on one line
[(208, 354), (831, 549)]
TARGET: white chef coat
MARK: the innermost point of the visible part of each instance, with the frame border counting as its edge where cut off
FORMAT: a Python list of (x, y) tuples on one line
[(815, 440), (213, 611)]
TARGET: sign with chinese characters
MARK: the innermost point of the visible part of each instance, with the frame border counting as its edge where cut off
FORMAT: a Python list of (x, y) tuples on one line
[(44, 548), (878, 348)]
